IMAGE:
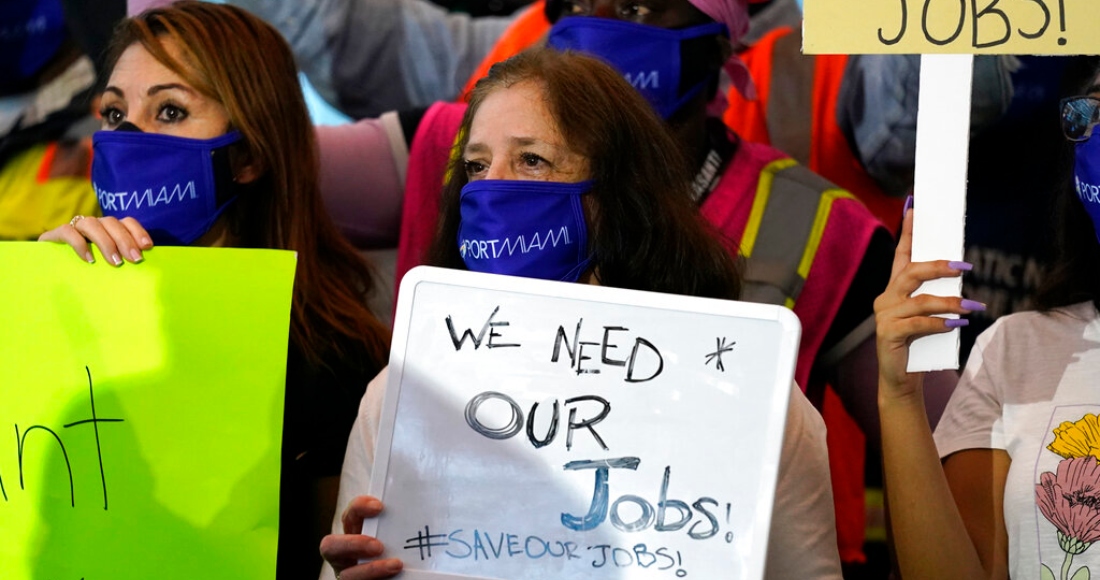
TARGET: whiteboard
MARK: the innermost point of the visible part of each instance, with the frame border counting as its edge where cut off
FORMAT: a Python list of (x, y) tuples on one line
[(663, 457)]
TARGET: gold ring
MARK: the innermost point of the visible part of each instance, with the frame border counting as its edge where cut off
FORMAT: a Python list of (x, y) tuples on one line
[(75, 219)]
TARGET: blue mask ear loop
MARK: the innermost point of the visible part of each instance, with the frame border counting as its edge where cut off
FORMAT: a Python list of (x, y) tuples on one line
[(578, 212), (226, 188), (575, 274), (689, 95), (719, 29)]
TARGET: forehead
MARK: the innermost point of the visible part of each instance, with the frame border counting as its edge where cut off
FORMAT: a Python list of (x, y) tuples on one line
[(519, 110), (138, 65)]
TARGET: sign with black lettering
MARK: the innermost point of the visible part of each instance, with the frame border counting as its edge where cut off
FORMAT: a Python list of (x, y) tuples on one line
[(947, 34), (141, 410), (952, 26), (538, 429)]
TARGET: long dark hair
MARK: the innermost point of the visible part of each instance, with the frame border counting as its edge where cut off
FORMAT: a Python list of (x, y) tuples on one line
[(1075, 274), (243, 63), (646, 233)]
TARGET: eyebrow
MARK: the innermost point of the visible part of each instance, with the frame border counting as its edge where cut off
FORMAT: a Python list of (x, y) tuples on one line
[(476, 148), (515, 141), (152, 90)]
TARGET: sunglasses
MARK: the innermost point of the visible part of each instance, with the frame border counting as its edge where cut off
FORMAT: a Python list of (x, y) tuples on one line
[(1079, 116)]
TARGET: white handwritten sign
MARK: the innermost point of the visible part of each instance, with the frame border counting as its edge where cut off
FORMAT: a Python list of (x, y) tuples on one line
[(539, 429)]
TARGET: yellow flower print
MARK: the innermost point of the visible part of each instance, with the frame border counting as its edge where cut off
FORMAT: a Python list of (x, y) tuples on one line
[(1080, 439)]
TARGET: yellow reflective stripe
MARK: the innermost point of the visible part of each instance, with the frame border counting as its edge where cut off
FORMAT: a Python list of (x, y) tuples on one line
[(814, 242), (763, 192)]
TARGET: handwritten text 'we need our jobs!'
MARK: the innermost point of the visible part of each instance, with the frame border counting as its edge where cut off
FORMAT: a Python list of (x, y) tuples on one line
[(587, 351)]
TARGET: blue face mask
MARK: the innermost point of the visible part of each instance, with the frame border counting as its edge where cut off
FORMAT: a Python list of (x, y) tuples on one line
[(175, 187), (1087, 179), (534, 229), (651, 58)]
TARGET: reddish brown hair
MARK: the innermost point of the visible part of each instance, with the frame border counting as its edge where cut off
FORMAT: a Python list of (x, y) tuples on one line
[(240, 61)]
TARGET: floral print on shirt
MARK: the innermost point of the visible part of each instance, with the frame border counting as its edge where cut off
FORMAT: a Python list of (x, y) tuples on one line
[(1069, 497)]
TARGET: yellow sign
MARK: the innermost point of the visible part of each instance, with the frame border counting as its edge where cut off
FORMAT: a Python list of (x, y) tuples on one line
[(141, 413), (951, 26)]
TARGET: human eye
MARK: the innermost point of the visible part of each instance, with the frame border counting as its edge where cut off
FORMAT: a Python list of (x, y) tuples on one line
[(112, 116), (532, 161), (634, 10), (474, 169), (171, 113), (574, 8), (533, 166)]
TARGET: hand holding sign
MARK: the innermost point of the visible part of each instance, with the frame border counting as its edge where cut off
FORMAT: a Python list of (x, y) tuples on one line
[(352, 555), (952, 495), (534, 429), (901, 317), (948, 34)]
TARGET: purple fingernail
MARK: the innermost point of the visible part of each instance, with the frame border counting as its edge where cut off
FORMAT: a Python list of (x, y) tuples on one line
[(956, 322), (972, 305), (908, 205), (962, 266)]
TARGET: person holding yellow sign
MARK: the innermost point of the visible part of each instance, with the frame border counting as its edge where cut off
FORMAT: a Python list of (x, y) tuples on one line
[(207, 142), (1009, 484)]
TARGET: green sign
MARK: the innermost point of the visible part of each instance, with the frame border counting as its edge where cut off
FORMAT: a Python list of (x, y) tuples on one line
[(141, 413)]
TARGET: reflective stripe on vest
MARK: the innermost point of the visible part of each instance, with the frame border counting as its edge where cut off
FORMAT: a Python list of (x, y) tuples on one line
[(784, 231)]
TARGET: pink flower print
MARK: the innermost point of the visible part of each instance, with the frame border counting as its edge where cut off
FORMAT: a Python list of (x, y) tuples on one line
[(1070, 499)]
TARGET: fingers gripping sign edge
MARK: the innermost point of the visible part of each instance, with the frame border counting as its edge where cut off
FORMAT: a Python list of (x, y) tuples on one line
[(68, 234)]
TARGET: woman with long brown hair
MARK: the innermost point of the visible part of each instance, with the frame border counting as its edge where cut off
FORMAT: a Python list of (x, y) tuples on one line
[(646, 233), (202, 104), (561, 138)]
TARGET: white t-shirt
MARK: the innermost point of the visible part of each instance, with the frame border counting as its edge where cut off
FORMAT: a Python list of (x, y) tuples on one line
[(802, 543), (1029, 380)]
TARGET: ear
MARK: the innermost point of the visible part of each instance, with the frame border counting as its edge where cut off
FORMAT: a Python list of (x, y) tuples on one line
[(244, 167), (247, 174)]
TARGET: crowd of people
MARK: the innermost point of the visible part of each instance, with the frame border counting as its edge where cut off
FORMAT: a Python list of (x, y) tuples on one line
[(750, 172)]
